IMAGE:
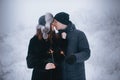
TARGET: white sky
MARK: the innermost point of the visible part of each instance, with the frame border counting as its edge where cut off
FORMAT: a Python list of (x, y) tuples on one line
[(97, 18)]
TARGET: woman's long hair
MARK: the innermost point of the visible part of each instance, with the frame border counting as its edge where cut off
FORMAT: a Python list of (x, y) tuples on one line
[(51, 35)]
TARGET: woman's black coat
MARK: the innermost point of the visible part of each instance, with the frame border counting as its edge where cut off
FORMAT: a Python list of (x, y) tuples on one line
[(38, 56)]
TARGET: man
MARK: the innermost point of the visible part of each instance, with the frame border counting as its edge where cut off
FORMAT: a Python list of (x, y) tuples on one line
[(77, 50)]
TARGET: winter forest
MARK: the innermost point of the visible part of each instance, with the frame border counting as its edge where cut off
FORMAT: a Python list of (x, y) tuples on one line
[(99, 19)]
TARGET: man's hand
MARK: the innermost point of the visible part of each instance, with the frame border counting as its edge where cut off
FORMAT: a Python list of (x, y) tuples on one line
[(50, 66)]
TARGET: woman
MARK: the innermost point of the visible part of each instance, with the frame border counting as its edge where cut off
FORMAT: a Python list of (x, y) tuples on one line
[(46, 51)]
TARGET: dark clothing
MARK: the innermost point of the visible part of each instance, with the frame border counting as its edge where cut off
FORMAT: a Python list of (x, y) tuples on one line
[(38, 56), (78, 47)]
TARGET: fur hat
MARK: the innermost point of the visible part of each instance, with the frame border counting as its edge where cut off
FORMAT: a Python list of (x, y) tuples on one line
[(44, 24), (45, 20), (62, 17)]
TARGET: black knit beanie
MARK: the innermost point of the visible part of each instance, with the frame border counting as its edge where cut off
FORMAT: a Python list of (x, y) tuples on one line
[(62, 17)]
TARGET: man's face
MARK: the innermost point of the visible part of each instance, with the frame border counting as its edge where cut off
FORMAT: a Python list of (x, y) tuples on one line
[(57, 24)]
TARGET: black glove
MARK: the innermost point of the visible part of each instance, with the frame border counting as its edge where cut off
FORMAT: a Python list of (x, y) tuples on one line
[(71, 59)]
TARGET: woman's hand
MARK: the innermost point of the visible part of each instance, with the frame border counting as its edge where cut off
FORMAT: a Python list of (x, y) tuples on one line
[(51, 51), (64, 35), (50, 66)]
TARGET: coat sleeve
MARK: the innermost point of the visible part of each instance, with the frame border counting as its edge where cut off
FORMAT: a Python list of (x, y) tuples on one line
[(32, 60), (84, 50), (59, 46)]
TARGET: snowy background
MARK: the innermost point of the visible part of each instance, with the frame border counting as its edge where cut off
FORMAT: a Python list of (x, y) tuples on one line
[(99, 19)]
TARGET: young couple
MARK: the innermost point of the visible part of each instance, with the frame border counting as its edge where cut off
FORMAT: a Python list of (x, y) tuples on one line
[(57, 55)]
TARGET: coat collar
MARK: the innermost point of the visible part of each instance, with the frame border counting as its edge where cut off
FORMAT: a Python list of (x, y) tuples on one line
[(71, 27)]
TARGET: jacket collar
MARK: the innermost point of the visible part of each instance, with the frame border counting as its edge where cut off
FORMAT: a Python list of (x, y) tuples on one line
[(69, 28)]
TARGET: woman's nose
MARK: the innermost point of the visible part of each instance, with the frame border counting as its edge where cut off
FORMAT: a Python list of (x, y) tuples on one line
[(53, 23)]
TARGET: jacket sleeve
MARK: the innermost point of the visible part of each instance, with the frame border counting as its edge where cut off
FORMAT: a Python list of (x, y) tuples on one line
[(84, 50), (32, 60)]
